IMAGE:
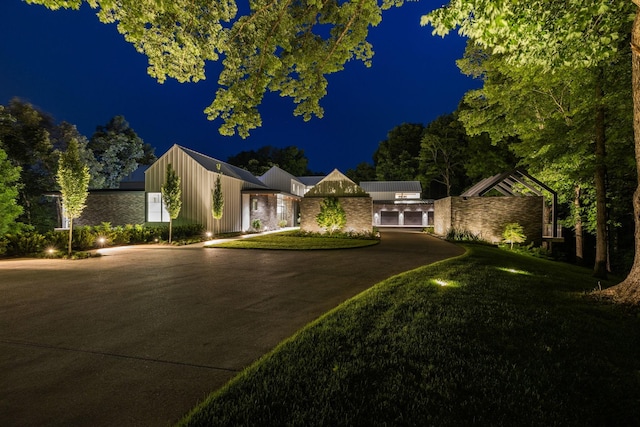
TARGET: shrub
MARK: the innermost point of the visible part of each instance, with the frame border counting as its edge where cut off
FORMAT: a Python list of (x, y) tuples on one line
[(462, 235), (282, 223), (25, 243), (256, 224), (83, 238)]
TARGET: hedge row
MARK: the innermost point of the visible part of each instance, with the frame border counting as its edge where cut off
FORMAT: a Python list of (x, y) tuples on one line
[(29, 242)]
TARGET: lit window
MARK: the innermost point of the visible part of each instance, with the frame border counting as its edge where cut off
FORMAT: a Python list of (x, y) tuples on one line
[(254, 204), (156, 211), (281, 209)]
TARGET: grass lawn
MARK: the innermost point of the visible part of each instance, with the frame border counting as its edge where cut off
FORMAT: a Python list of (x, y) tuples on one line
[(291, 240), (489, 338)]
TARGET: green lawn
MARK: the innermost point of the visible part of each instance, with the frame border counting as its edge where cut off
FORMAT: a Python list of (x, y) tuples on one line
[(489, 338), (292, 240)]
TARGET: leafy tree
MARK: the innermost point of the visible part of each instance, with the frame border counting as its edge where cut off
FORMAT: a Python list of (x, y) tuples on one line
[(513, 233), (118, 149), (397, 157), (60, 137), (332, 216), (443, 153), (363, 172), (171, 195), (285, 47), (553, 35), (9, 208), (24, 136), (73, 178), (217, 201), (291, 159)]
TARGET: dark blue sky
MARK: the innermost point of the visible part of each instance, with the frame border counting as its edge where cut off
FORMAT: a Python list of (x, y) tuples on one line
[(81, 71)]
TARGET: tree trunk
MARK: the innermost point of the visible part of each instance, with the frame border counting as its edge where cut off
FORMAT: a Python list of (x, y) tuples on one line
[(170, 221), (578, 227), (70, 234), (600, 267), (629, 290)]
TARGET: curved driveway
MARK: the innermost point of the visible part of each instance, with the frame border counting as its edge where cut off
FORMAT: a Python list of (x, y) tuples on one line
[(141, 335)]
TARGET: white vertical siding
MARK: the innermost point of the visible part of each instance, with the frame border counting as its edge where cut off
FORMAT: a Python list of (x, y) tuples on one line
[(197, 184)]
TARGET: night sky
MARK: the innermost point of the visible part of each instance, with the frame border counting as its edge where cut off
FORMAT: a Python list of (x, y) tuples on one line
[(79, 70)]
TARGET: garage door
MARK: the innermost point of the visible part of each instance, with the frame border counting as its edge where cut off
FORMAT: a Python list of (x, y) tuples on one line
[(389, 218), (413, 218)]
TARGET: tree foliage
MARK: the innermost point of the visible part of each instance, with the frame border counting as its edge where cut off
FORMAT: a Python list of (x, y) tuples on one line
[(171, 195), (217, 200), (119, 150), (540, 33), (397, 157), (9, 208), (291, 159), (364, 171), (73, 177), (286, 47), (25, 137), (332, 216), (443, 153)]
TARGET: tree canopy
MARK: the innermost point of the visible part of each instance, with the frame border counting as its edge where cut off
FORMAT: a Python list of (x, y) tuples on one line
[(278, 46)]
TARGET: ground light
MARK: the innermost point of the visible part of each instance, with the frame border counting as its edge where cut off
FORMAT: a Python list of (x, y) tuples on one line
[(514, 271), (101, 241), (445, 283)]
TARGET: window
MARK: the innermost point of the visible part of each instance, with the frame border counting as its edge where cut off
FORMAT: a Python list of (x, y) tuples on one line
[(156, 212), (254, 204), (281, 209)]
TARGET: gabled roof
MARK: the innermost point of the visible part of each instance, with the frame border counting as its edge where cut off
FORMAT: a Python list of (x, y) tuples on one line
[(336, 184), (310, 181), (211, 164), (505, 184), (391, 186), (275, 170)]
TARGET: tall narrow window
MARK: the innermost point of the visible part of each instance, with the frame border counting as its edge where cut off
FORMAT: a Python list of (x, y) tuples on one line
[(281, 209), (254, 204)]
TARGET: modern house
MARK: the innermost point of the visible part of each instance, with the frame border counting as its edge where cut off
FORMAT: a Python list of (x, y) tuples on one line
[(279, 199)]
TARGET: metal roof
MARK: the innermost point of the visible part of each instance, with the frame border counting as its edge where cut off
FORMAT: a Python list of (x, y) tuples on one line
[(310, 181), (391, 186)]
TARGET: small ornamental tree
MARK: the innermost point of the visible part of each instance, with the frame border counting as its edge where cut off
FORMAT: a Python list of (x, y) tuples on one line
[(217, 202), (73, 178), (513, 233), (172, 195), (331, 217)]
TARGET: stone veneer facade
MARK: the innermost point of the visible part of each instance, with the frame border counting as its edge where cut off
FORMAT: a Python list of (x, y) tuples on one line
[(118, 207), (358, 211), (487, 216)]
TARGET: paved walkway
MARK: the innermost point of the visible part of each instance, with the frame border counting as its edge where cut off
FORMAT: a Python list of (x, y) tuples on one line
[(141, 335)]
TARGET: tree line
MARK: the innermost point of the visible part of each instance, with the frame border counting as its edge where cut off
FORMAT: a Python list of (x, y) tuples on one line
[(31, 144)]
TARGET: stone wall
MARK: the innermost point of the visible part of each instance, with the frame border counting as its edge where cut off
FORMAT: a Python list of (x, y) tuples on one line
[(115, 207), (487, 216), (358, 210)]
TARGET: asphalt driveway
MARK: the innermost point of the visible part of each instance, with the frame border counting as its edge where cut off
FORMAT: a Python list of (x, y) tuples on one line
[(139, 336)]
